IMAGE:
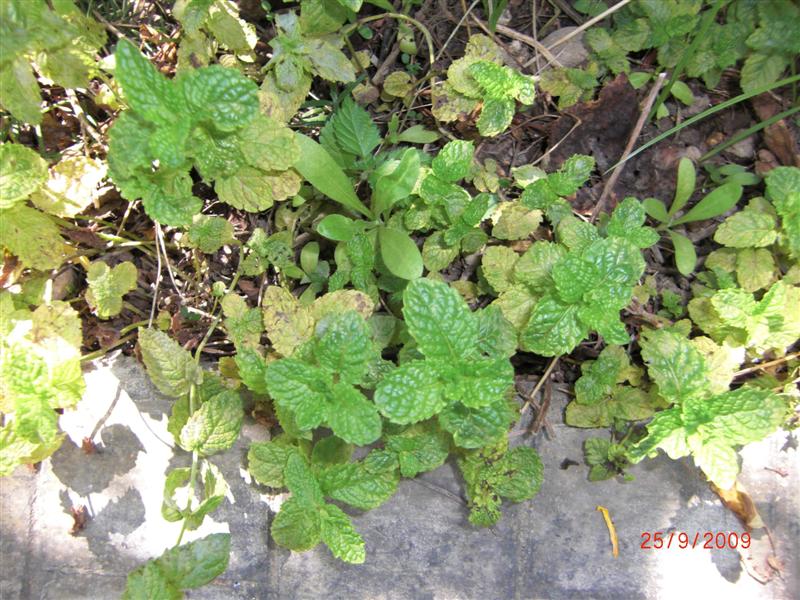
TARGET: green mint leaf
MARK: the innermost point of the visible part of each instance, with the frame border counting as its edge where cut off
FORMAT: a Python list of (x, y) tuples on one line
[(169, 200), (475, 427), (248, 189), (252, 370), (365, 485), (413, 392), (208, 234), (599, 377), (298, 525), (572, 175), (21, 94), (340, 536), (477, 383), (554, 328), (627, 222), (147, 91), (454, 161), (674, 364), (665, 430), (439, 320), (783, 190), (515, 221), (301, 481), (535, 266), (331, 451), (300, 387), (344, 346), (495, 116), (24, 172), (171, 368), (214, 426), (149, 581), (352, 417), (419, 448), (268, 144), (267, 461), (222, 97), (108, 286), (496, 335)]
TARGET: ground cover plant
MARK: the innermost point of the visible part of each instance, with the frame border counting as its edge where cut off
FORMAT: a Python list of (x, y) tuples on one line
[(364, 210)]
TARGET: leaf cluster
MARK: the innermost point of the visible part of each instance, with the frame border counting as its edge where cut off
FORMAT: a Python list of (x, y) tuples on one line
[(208, 119)]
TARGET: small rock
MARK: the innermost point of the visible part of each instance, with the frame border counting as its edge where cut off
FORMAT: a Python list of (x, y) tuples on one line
[(743, 149), (571, 53)]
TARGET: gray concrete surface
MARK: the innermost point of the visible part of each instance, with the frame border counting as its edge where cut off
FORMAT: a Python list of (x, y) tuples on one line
[(419, 544)]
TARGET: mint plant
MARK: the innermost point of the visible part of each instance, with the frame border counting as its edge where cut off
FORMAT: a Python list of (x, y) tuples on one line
[(495, 472), (480, 80), (208, 119), (40, 372), (318, 384), (461, 377), (54, 39), (207, 24), (703, 423)]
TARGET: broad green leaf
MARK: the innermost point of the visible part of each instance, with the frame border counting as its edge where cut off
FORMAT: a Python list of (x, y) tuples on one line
[(340, 536), (223, 97), (169, 200), (717, 202), (760, 70), (655, 208), (31, 236), (171, 368), (329, 62), (478, 383), (413, 392), (266, 461), (717, 459), (354, 130), (301, 388), (436, 253), (331, 451), (685, 255), (229, 30), (553, 329), (21, 96), (453, 161), (682, 92), (534, 267), (495, 116), (417, 134), (516, 304), (496, 335), (397, 184), (337, 228), (148, 582), (215, 425), (439, 320), (399, 253), (419, 448), (209, 233), (321, 171), (572, 175), (674, 364), (364, 485), (108, 286), (476, 427), (298, 526), (352, 417), (197, 563), (301, 481), (24, 172), (344, 346)]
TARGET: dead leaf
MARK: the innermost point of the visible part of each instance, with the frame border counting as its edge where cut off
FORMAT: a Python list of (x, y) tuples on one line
[(739, 501), (612, 532), (80, 516)]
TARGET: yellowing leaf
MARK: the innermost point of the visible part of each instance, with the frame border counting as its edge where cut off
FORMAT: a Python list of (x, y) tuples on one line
[(73, 185), (108, 286)]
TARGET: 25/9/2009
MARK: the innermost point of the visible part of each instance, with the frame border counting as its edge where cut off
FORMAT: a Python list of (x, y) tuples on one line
[(709, 540)]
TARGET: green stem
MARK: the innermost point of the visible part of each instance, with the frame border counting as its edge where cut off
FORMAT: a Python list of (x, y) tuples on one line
[(192, 471), (103, 351)]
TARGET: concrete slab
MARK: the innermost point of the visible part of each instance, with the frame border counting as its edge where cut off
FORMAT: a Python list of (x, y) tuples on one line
[(419, 544)]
